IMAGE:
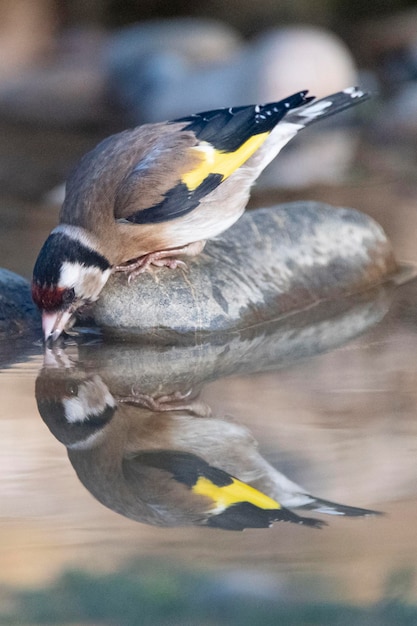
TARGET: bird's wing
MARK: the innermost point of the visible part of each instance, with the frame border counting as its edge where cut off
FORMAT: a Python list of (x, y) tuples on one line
[(204, 149), (228, 503)]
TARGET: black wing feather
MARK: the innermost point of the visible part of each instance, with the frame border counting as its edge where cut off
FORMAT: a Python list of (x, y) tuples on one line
[(178, 201), (185, 467), (228, 129), (225, 129)]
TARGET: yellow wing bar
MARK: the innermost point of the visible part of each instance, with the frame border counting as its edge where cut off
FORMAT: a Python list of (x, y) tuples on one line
[(235, 492), (217, 162)]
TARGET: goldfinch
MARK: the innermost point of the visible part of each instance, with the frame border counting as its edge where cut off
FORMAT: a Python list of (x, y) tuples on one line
[(169, 467), (150, 195)]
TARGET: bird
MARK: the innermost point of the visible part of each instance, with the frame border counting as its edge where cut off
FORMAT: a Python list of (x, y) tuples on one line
[(170, 465), (152, 195)]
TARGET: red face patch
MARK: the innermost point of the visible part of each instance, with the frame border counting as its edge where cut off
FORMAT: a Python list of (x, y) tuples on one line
[(48, 299)]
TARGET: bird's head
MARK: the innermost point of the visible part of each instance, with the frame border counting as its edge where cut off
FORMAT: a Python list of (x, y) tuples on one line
[(68, 274)]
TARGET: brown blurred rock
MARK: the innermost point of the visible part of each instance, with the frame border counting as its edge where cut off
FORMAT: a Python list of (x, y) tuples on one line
[(375, 39), (26, 33), (65, 89)]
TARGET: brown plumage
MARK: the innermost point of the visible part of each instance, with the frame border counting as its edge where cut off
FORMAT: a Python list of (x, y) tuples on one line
[(169, 466), (155, 193)]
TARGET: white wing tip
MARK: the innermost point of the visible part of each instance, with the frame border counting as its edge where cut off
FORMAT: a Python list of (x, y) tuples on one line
[(354, 92)]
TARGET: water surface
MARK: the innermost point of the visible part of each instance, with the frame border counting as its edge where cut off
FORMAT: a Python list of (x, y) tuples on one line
[(330, 398)]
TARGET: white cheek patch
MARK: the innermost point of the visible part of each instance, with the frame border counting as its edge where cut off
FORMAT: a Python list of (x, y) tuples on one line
[(70, 275), (87, 281), (92, 399)]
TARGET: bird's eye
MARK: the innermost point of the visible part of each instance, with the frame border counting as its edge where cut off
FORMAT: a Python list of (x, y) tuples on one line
[(71, 388), (68, 296)]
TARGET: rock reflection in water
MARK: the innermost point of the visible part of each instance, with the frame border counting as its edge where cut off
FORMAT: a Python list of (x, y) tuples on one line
[(145, 446)]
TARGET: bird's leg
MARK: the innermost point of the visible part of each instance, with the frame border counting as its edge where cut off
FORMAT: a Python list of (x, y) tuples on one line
[(161, 258), (176, 401)]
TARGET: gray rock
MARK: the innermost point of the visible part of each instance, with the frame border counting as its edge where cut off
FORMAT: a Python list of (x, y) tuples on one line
[(271, 263), (18, 314), (277, 344)]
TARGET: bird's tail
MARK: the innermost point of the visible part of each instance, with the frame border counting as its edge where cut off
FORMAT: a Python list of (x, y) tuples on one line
[(325, 107), (333, 508)]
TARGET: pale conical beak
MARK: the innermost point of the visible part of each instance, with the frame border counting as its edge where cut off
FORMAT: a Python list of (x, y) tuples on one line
[(54, 324)]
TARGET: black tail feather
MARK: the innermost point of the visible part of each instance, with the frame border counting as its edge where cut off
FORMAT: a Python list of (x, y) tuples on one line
[(333, 508), (325, 107), (227, 129)]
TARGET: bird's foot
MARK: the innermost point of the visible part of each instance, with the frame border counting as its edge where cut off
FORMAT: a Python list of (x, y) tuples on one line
[(161, 258), (144, 264), (176, 401)]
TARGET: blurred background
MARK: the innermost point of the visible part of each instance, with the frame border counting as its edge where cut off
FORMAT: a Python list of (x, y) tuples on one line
[(74, 72)]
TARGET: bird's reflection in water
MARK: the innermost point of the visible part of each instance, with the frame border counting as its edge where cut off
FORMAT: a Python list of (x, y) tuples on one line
[(146, 446), (165, 459)]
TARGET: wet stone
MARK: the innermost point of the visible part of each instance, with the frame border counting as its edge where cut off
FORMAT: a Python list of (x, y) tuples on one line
[(273, 262), (18, 314)]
